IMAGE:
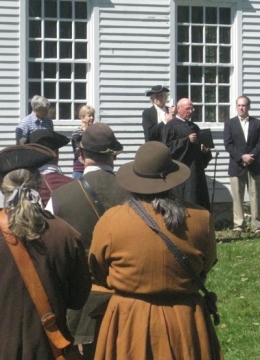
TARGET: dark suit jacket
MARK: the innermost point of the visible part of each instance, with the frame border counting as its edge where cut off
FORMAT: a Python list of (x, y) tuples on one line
[(152, 130), (236, 145)]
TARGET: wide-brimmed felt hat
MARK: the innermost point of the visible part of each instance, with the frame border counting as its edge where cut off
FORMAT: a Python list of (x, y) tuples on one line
[(49, 138), (28, 156), (156, 90), (100, 138), (153, 170)]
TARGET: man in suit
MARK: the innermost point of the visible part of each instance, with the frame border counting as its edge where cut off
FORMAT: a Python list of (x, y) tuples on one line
[(158, 115), (242, 142)]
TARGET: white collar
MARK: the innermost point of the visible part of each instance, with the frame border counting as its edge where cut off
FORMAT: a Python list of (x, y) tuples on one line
[(97, 167)]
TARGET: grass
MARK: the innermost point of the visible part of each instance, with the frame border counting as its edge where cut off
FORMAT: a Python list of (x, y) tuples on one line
[(236, 280)]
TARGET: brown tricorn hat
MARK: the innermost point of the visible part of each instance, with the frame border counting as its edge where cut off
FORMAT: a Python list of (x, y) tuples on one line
[(153, 171)]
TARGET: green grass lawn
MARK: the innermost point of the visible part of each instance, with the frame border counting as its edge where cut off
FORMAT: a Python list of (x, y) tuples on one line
[(236, 280)]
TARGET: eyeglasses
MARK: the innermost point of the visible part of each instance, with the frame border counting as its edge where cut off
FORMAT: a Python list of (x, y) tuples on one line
[(188, 108)]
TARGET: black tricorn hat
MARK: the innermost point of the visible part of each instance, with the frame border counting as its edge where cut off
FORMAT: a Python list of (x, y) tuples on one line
[(49, 138), (156, 90), (153, 170), (28, 156), (100, 138)]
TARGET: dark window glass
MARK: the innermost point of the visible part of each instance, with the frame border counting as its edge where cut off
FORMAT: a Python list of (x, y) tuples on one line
[(197, 34), (65, 111), (76, 110), (81, 10), (223, 75), (34, 88), (50, 90), (183, 14), (210, 94), (50, 9), (65, 30), (211, 15), (182, 92), (183, 33), (65, 50), (211, 34), (80, 91), (35, 50), (197, 14), (223, 113), (183, 53), (196, 93), (50, 71), (65, 90), (197, 54), (224, 54), (80, 30), (197, 114), (34, 28), (50, 49), (65, 71), (196, 74), (211, 54), (210, 113), (65, 9), (52, 111), (182, 74), (80, 71), (225, 16), (80, 50), (210, 75), (50, 29), (223, 94), (224, 35), (34, 70), (35, 8)]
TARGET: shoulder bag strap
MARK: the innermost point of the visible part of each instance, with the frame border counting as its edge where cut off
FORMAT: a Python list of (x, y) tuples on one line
[(178, 254), (35, 288), (92, 197)]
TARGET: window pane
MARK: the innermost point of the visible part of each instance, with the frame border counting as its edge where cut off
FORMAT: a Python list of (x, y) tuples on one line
[(182, 74), (182, 92), (210, 113), (50, 49), (65, 30), (183, 34), (80, 91), (224, 35), (50, 71), (197, 54), (183, 53), (50, 29), (196, 93), (81, 10), (81, 30), (34, 89), (210, 94), (211, 54), (65, 111), (65, 50), (34, 70), (197, 114), (197, 34), (223, 94), (197, 15), (35, 50), (50, 90), (52, 111), (50, 9), (35, 28), (65, 71), (65, 90), (211, 34), (223, 75), (211, 15), (35, 8), (224, 54), (65, 9), (196, 74), (80, 50), (224, 16), (183, 14), (223, 113), (210, 75), (80, 71)]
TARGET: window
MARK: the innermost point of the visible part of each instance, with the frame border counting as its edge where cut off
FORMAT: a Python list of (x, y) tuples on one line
[(204, 61), (58, 54)]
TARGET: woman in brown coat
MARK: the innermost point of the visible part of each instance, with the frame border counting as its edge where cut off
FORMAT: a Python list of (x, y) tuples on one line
[(156, 311)]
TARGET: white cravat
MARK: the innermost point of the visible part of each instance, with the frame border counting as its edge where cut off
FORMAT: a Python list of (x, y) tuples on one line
[(245, 124), (161, 113)]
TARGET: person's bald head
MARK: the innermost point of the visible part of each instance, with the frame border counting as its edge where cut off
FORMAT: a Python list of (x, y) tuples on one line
[(184, 108)]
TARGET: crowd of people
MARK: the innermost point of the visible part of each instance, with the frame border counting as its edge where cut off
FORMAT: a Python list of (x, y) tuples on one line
[(123, 258)]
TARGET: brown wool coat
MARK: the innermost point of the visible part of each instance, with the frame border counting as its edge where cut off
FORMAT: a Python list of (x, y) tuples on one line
[(157, 312)]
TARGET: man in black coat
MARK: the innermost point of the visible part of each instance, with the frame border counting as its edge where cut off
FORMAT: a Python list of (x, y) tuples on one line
[(242, 142)]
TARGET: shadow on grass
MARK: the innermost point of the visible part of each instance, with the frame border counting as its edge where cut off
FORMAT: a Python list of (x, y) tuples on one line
[(227, 236)]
